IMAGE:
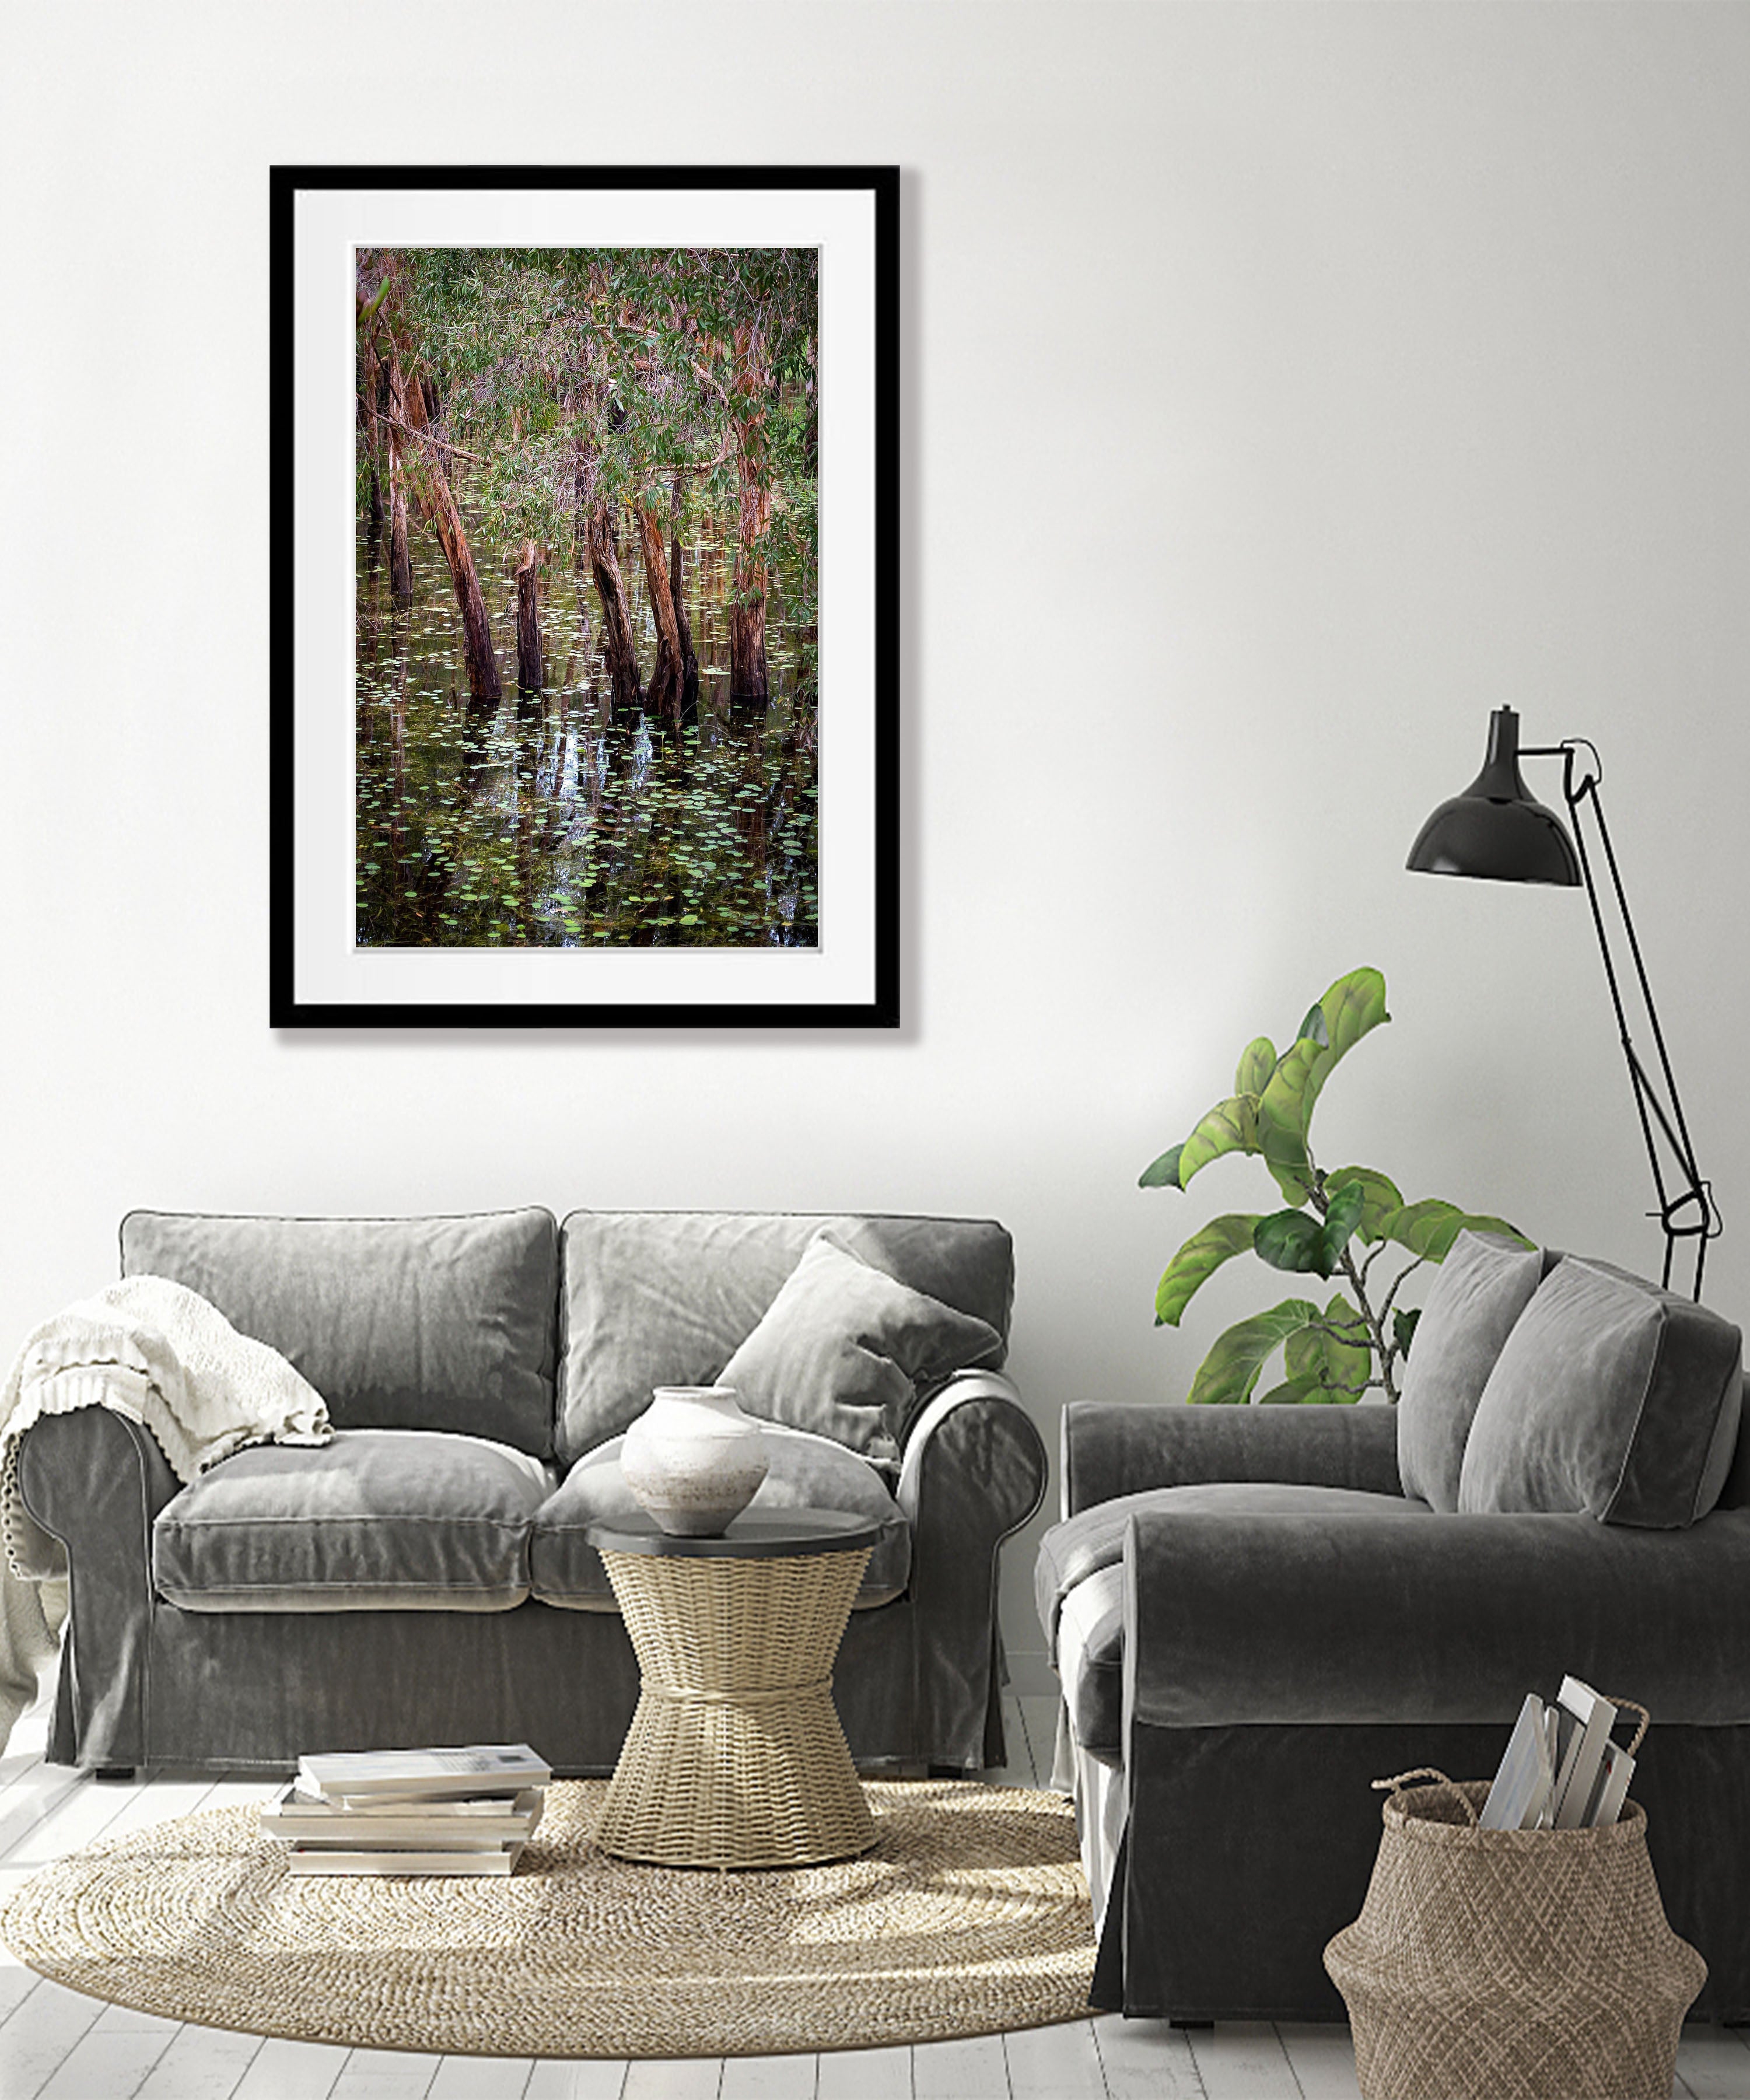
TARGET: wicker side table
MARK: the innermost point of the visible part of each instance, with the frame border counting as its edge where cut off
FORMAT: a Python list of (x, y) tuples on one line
[(735, 1756)]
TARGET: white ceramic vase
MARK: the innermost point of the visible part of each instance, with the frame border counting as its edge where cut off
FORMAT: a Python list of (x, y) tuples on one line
[(693, 1460)]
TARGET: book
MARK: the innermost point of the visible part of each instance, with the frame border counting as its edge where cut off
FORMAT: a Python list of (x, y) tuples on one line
[(462, 1824), (1588, 1719), (1617, 1771), (474, 1770), (1520, 1798), (324, 1859)]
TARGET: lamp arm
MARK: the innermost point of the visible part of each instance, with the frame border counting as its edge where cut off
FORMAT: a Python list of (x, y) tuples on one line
[(1691, 1213)]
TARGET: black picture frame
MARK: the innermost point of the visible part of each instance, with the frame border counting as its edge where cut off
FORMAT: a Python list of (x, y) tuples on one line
[(312, 984)]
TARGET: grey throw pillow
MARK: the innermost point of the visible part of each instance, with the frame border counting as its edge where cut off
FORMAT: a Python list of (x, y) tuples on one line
[(1611, 1397), (1484, 1284), (843, 1349)]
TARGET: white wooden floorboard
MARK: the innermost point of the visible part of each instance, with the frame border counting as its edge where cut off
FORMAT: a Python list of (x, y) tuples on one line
[(598, 2079), (202, 2063), (769, 2078), (45, 2030), (385, 2074), (1243, 2060), (79, 1812), (292, 2070), (1713, 2063), (170, 1793), (678, 2078), (1322, 2058), (113, 2059), (1060, 2062), (864, 2074), (30, 1801), (1145, 2059), (481, 2078), (17, 1984), (975, 2069)]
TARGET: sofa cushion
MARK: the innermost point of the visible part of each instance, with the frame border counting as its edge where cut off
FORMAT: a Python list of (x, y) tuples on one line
[(806, 1473), (403, 1519), (1612, 1397), (1481, 1289), (1082, 1546), (654, 1297), (398, 1323), (844, 1351)]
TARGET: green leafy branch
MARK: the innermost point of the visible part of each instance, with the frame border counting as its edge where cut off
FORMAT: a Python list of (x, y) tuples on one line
[(1334, 1224)]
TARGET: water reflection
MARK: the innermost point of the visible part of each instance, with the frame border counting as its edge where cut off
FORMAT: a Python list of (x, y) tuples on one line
[(540, 823)]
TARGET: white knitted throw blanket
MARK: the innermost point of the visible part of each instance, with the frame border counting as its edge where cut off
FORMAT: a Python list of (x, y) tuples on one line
[(157, 1353)]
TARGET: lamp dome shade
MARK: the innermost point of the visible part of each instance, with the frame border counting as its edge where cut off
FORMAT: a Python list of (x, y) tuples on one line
[(1497, 830)]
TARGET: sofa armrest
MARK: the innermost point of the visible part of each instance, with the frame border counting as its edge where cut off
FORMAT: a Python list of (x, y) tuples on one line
[(1112, 1448), (974, 1470), (96, 1480), (1348, 1618)]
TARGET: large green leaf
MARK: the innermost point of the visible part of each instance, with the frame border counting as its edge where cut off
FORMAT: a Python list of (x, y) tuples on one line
[(1258, 1060), (1291, 1240), (1197, 1260), (1281, 1128), (1292, 1392), (1354, 1007), (1227, 1373), (1335, 1355), (1302, 1244), (1342, 1215), (1161, 1173), (1429, 1227), (1231, 1125), (1380, 1197)]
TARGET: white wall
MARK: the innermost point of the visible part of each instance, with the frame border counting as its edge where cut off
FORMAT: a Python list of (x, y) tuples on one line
[(1285, 388)]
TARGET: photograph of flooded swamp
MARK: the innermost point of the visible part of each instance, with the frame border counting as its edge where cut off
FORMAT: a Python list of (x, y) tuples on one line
[(585, 548)]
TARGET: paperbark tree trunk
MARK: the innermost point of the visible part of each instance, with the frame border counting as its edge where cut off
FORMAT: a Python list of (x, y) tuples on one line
[(529, 673), (431, 486), (749, 682), (616, 626), (689, 661), (664, 699)]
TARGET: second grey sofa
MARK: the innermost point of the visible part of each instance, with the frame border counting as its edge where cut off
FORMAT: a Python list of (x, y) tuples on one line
[(1256, 1612), (424, 1578)]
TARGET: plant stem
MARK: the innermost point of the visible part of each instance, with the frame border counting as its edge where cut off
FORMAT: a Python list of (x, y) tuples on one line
[(1383, 1351), (1376, 1329)]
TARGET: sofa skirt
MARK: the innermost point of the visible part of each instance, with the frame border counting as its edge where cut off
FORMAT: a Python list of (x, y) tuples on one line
[(256, 1690), (1246, 1849)]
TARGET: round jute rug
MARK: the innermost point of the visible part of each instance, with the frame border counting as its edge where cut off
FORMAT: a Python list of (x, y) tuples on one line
[(970, 1915)]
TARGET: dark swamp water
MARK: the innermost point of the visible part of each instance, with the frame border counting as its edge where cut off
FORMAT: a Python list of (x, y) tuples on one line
[(537, 823)]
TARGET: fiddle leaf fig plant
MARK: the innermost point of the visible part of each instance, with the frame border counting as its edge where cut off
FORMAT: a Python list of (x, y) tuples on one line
[(1335, 1224)]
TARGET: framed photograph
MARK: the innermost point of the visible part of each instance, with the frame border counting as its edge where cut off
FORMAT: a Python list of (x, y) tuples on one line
[(584, 588)]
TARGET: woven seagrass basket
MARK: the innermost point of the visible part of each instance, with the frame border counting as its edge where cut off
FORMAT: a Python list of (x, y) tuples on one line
[(1518, 1964)]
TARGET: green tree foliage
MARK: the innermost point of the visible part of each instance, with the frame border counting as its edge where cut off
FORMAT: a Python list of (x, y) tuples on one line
[(1335, 1223), (650, 361)]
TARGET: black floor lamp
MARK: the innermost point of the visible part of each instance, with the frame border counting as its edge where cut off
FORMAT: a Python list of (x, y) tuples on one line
[(1498, 830)]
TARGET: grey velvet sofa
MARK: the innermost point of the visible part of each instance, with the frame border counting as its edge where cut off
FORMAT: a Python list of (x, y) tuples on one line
[(1253, 1619), (424, 1577)]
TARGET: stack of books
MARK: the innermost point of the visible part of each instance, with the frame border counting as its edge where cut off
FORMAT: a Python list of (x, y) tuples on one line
[(445, 1811), (1561, 1771)]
